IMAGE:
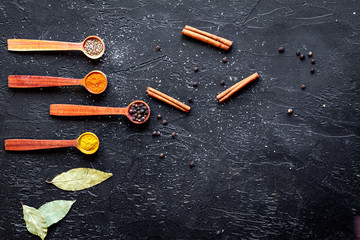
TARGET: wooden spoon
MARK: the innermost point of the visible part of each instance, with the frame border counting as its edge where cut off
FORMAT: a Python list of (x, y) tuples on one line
[(27, 81), (81, 110), (35, 144), (44, 45)]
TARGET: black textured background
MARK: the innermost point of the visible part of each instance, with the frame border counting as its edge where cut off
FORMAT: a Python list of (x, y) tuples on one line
[(259, 174)]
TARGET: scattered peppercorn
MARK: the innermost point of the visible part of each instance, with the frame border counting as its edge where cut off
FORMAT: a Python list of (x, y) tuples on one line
[(191, 164), (303, 86), (173, 134), (324, 106), (302, 57), (298, 53), (281, 49), (290, 111), (158, 133), (154, 133), (224, 60), (196, 69), (310, 54), (162, 155), (158, 48), (195, 84), (139, 112), (164, 122), (159, 116), (312, 70), (222, 82), (313, 61)]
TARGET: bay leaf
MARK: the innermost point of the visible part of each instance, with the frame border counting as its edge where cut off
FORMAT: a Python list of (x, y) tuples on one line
[(55, 211), (35, 221), (79, 179)]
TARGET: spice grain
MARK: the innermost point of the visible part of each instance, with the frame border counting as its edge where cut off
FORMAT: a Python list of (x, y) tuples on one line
[(93, 47)]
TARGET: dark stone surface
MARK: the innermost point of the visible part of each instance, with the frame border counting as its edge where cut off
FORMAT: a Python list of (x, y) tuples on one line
[(259, 173)]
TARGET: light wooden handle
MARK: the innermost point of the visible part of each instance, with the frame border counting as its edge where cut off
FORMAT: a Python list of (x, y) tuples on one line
[(41, 45), (32, 144), (26, 81), (80, 110)]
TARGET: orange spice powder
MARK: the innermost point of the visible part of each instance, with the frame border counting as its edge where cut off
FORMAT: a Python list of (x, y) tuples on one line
[(96, 82)]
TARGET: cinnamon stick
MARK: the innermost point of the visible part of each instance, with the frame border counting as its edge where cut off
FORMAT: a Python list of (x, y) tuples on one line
[(213, 40), (217, 38), (167, 99), (236, 87), (151, 94)]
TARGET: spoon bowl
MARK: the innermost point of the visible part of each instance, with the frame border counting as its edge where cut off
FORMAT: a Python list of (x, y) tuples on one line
[(88, 143), (95, 82), (97, 39), (138, 103)]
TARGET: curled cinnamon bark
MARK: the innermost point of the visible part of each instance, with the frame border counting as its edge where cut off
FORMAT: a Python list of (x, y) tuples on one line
[(207, 37), (236, 87), (167, 99)]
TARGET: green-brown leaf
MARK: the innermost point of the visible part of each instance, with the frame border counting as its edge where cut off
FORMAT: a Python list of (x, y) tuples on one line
[(79, 179), (55, 211), (35, 221)]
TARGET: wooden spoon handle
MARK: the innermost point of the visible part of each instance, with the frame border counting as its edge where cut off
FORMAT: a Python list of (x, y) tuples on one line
[(41, 45), (26, 81), (32, 144), (80, 110)]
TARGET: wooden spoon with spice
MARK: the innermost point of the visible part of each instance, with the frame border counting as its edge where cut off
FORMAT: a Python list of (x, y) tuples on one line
[(93, 47), (87, 143), (137, 112), (95, 82)]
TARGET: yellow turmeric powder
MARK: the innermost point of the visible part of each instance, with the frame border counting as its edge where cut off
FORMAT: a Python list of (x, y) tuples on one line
[(96, 82), (88, 142)]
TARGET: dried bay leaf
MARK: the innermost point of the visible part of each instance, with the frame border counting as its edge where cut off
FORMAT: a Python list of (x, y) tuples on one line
[(35, 221), (55, 211), (79, 179)]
